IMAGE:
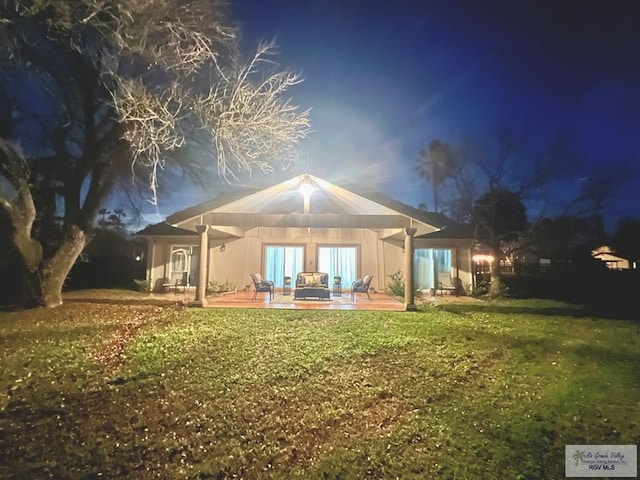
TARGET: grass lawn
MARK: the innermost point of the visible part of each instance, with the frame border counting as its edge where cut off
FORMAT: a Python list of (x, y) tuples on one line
[(492, 390)]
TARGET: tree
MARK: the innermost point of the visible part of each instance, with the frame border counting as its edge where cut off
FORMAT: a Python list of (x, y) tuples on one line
[(494, 182), (626, 239), (93, 90), (436, 164), (499, 217)]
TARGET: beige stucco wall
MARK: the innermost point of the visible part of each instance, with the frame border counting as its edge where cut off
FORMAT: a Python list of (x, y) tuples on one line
[(158, 252), (245, 255)]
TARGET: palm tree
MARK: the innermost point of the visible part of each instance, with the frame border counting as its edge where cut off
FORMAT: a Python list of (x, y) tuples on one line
[(435, 164)]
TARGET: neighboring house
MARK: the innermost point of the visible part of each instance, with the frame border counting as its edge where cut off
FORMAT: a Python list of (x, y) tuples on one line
[(308, 224), (607, 255)]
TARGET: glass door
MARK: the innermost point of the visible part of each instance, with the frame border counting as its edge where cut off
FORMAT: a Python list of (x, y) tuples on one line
[(341, 261), (283, 261)]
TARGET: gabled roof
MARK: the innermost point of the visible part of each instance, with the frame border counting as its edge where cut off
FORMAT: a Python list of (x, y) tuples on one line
[(325, 202), (163, 228), (449, 230)]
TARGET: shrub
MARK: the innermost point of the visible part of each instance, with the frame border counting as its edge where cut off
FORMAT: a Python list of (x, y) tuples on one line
[(396, 284), (215, 287), (143, 285)]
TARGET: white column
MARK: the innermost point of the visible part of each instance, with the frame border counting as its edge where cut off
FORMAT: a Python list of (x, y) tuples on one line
[(409, 297), (200, 300)]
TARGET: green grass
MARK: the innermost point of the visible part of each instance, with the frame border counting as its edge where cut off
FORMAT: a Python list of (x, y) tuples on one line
[(490, 390)]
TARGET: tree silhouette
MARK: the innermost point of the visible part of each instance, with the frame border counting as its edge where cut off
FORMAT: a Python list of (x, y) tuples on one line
[(499, 216), (436, 164), (93, 90)]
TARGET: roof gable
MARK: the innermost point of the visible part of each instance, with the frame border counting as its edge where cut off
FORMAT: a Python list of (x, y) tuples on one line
[(307, 200), (286, 198)]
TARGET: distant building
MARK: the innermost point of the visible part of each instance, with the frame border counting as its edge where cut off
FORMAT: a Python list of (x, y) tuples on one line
[(607, 255)]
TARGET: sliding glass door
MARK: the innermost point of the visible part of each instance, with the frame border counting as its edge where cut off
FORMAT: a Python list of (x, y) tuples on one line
[(283, 261), (431, 266), (342, 261)]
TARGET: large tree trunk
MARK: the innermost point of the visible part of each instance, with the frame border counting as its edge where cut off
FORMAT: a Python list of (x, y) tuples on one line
[(42, 280), (496, 287), (56, 269)]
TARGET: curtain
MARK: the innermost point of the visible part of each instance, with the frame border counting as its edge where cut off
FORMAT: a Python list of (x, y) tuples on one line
[(283, 261), (431, 264), (340, 261), (423, 268)]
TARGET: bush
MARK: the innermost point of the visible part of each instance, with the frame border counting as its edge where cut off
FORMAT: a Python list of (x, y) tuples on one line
[(143, 285), (396, 284), (215, 287)]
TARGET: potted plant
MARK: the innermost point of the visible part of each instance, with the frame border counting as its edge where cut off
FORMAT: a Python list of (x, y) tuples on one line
[(337, 279)]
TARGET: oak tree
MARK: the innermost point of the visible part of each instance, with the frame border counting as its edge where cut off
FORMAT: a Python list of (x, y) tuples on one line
[(94, 91)]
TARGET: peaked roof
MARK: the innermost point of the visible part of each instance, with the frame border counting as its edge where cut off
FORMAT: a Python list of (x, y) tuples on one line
[(308, 194), (163, 228)]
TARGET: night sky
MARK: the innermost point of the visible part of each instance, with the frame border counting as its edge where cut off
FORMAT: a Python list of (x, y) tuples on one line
[(385, 78)]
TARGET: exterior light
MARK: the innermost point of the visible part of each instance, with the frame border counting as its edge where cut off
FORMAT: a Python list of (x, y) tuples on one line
[(306, 188), (483, 258)]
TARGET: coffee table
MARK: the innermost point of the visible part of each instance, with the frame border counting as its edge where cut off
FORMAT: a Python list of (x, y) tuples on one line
[(312, 292)]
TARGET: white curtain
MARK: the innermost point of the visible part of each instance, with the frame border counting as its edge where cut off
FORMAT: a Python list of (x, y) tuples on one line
[(340, 261), (283, 261), (431, 264)]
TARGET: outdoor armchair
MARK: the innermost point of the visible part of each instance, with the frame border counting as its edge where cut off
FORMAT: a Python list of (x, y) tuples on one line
[(177, 281), (361, 286), (260, 285)]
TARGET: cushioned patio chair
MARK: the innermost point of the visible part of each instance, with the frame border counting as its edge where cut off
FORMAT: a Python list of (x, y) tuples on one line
[(361, 286), (260, 285)]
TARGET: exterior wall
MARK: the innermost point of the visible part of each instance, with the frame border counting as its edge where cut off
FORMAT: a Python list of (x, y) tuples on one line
[(243, 256), (392, 261), (158, 253), (246, 255)]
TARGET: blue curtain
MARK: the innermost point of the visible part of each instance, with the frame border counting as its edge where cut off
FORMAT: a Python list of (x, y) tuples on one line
[(430, 264), (281, 261), (423, 268), (340, 261)]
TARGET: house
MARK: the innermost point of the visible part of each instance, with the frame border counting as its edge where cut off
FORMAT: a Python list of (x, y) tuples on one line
[(308, 224), (607, 255)]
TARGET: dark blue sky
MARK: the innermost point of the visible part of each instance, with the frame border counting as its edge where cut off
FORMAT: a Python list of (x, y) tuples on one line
[(385, 78)]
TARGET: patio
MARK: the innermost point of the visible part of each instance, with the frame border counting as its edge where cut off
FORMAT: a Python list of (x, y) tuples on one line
[(242, 299)]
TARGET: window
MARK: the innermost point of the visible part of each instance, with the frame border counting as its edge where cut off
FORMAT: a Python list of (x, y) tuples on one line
[(185, 260), (342, 261), (283, 261), (430, 265)]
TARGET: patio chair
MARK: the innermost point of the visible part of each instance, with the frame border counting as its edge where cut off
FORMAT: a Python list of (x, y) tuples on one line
[(447, 283), (178, 280), (361, 286), (260, 285)]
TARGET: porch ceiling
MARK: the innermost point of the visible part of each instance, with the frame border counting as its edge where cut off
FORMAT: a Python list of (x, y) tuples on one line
[(300, 220), (307, 201)]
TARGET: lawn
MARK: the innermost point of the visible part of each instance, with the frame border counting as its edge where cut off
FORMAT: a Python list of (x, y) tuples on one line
[(491, 390)]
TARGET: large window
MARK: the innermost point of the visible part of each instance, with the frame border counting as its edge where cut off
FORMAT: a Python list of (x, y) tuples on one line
[(184, 261), (431, 265), (340, 261), (283, 261)]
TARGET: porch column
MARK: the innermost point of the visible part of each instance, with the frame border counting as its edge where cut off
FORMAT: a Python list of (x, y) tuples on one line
[(409, 298), (201, 289)]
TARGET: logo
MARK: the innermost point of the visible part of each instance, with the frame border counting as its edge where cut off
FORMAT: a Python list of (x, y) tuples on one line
[(601, 460)]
